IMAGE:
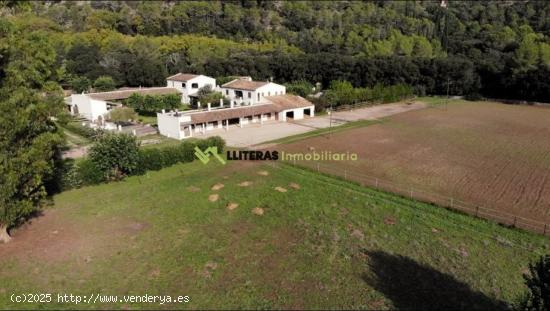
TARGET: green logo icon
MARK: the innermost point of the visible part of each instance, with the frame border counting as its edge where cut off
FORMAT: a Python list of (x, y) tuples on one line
[(204, 156)]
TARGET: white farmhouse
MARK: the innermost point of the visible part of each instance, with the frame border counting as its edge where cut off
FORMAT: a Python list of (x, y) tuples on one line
[(96, 106), (244, 91), (189, 84)]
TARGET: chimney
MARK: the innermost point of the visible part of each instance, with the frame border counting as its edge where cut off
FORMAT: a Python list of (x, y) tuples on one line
[(221, 102), (162, 111), (208, 106)]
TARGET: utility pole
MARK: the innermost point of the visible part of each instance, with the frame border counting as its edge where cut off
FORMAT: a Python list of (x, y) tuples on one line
[(447, 100), (444, 5), (330, 121)]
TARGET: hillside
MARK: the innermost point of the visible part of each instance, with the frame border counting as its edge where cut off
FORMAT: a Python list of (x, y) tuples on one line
[(499, 49)]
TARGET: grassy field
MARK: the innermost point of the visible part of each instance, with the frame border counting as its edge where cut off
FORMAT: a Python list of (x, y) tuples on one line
[(484, 154), (328, 244)]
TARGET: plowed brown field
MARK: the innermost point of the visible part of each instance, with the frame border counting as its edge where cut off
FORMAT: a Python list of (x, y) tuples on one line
[(484, 154)]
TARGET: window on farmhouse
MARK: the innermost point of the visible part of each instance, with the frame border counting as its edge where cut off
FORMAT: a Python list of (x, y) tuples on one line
[(239, 94), (195, 85), (249, 95), (183, 85), (227, 92)]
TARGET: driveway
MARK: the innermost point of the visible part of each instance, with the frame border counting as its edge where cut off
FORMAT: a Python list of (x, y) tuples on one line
[(254, 134)]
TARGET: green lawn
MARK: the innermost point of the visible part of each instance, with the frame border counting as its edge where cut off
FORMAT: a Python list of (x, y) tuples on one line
[(147, 119), (329, 244), (163, 141)]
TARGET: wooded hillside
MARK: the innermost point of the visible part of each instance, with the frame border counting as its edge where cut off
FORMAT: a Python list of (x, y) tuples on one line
[(496, 48)]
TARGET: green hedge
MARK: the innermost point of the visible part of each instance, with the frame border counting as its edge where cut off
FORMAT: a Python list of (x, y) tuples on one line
[(158, 158), (76, 174), (84, 131)]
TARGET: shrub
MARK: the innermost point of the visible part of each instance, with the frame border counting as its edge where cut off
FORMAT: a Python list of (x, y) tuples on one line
[(84, 131), (115, 155), (85, 173), (151, 104), (156, 159), (80, 84), (538, 282), (301, 87), (122, 114), (104, 83), (473, 97), (343, 93)]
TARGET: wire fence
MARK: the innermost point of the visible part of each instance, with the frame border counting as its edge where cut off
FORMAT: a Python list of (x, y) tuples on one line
[(501, 217)]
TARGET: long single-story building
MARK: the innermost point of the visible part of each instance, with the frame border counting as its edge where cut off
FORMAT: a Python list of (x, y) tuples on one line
[(180, 125), (96, 106)]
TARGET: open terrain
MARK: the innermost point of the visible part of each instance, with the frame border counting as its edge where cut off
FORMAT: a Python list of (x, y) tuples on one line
[(482, 154), (254, 134), (257, 236)]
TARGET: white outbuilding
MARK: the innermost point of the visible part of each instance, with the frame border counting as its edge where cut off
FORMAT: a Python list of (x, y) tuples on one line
[(96, 106), (189, 84), (244, 91)]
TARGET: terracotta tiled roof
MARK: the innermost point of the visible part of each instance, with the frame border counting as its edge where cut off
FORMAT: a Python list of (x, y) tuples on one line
[(123, 94), (231, 113), (288, 101), (182, 77), (244, 85), (277, 104)]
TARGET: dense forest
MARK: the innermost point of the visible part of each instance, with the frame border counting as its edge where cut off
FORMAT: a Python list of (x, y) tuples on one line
[(497, 49)]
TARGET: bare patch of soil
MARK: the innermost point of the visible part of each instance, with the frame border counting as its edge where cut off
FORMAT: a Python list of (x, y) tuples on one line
[(294, 186), (258, 211), (356, 233), (280, 189), (232, 206), (390, 221), (245, 184), (213, 197), (263, 173), (193, 189), (217, 186)]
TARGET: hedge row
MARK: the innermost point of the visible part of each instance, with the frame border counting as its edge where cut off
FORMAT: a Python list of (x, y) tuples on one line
[(76, 174), (157, 158), (83, 131)]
